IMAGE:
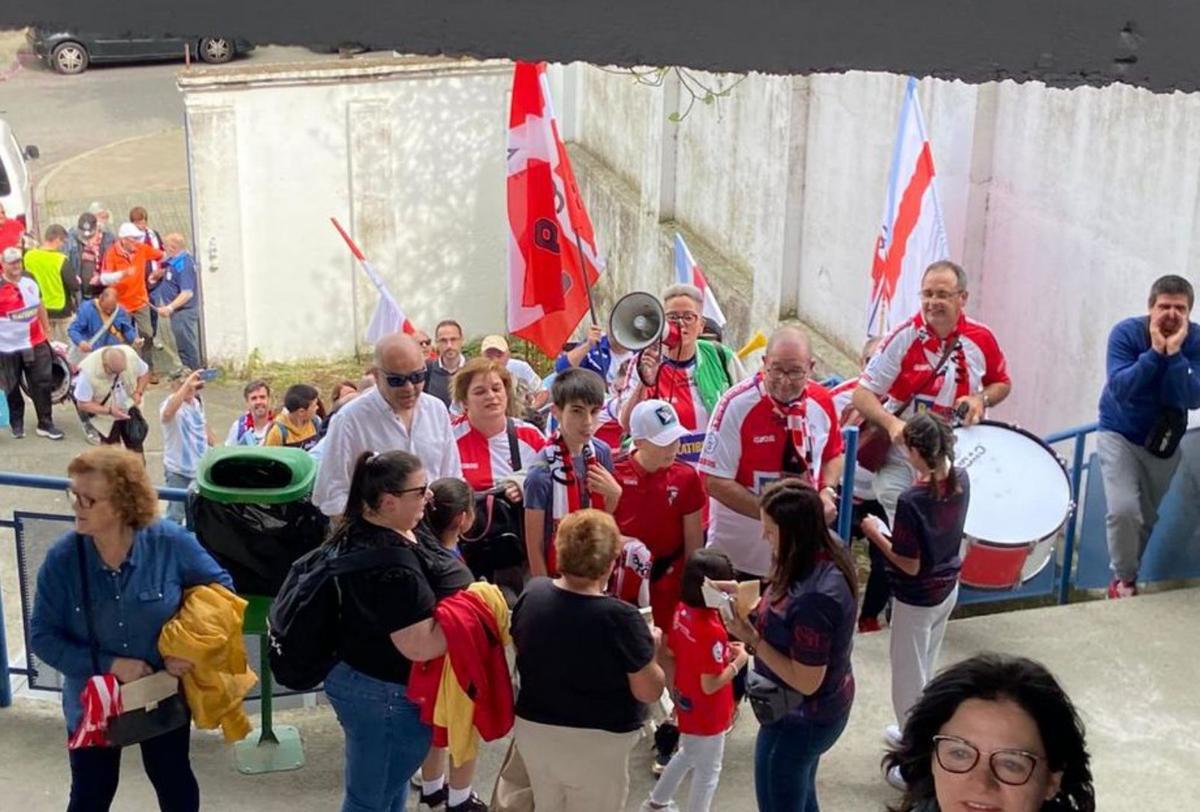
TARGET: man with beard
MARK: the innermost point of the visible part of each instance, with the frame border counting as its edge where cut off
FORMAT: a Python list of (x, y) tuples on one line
[(938, 360), (1153, 380), (777, 424), (396, 415), (448, 336), (251, 427)]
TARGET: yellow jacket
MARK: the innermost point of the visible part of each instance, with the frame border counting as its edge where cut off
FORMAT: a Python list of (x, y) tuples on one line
[(207, 631)]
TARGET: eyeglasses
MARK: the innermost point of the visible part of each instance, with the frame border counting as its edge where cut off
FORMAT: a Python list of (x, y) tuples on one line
[(939, 295), (683, 318), (1012, 767), (423, 490), (397, 380), (78, 499), (794, 375)]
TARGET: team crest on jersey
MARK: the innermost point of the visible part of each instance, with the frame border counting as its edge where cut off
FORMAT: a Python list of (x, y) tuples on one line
[(718, 652), (672, 494), (710, 444)]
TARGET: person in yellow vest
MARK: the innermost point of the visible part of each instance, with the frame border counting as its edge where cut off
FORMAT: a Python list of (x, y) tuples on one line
[(56, 280), (110, 383), (299, 426)]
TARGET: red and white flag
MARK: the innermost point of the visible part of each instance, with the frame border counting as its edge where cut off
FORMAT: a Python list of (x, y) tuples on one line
[(389, 316), (688, 272), (913, 234), (548, 281)]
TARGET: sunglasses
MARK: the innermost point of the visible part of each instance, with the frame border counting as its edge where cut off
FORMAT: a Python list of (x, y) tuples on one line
[(397, 380), (423, 490)]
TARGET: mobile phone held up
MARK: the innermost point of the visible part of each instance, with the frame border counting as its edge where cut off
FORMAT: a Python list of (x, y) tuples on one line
[(208, 375)]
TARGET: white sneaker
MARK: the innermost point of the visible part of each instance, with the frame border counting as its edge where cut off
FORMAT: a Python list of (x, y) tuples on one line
[(893, 736), (649, 807), (894, 778)]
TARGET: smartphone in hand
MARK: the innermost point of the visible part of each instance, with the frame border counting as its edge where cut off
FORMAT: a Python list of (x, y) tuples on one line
[(207, 375)]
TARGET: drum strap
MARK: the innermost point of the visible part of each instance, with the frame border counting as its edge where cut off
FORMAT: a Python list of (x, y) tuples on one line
[(951, 346)]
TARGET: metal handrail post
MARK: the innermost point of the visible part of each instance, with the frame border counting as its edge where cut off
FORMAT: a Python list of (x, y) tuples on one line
[(846, 508), (5, 677), (1064, 584)]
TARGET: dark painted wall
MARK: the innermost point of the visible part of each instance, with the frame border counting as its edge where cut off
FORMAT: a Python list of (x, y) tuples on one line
[(1151, 43)]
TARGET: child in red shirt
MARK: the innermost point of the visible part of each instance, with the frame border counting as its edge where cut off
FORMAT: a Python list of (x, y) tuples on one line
[(705, 664)]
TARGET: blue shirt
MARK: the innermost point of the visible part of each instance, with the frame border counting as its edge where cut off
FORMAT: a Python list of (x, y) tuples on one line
[(539, 485), (89, 320), (598, 359), (180, 276), (1142, 382), (130, 604)]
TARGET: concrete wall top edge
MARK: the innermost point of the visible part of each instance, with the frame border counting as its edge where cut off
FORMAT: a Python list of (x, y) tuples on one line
[(371, 68)]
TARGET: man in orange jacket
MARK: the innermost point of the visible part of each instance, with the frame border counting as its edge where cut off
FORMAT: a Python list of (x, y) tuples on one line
[(125, 265)]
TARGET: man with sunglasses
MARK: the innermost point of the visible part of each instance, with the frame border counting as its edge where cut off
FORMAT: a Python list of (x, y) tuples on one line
[(693, 374), (396, 415)]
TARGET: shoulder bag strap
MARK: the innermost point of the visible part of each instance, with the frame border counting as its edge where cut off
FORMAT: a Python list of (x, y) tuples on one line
[(490, 502), (87, 603), (108, 322), (937, 370), (514, 445)]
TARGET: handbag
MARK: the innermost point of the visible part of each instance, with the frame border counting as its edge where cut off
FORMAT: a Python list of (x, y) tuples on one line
[(496, 540), (151, 706), (136, 427), (874, 442), (770, 700)]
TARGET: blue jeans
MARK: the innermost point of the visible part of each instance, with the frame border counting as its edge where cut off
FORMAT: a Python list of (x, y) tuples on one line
[(385, 739), (185, 325), (786, 755), (177, 511)]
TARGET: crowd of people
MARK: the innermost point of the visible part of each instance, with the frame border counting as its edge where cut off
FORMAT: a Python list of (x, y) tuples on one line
[(670, 552)]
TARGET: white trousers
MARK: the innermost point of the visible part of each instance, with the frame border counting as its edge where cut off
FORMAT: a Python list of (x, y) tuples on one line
[(700, 754), (917, 633)]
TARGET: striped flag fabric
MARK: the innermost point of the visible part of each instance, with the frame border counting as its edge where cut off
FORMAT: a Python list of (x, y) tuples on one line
[(553, 254), (389, 316), (913, 234), (688, 272)]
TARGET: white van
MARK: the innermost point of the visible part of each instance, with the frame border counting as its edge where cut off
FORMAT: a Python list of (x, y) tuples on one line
[(15, 193)]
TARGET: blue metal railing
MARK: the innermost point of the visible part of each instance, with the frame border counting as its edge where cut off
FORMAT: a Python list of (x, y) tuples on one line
[(1079, 435), (46, 483)]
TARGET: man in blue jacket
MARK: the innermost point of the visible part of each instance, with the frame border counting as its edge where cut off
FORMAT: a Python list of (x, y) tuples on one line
[(1153, 380), (101, 322)]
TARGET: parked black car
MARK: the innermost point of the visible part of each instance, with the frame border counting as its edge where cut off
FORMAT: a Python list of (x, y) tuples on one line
[(73, 51)]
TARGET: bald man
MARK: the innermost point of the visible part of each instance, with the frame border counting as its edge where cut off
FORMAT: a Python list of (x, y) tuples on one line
[(396, 415), (776, 424)]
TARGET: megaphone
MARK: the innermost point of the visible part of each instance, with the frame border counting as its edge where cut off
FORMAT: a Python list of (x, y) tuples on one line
[(636, 321)]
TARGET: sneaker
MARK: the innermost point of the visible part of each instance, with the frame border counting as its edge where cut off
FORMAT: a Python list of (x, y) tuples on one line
[(473, 804), (893, 736), (666, 740), (91, 434), (648, 806), (434, 799), (866, 625), (1122, 589), (18, 432), (894, 778), (49, 431)]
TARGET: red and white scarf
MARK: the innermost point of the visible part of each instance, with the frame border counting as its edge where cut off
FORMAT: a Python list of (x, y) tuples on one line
[(570, 492), (101, 698), (794, 417)]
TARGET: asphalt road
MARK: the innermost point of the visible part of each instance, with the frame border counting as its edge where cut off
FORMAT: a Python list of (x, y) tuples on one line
[(68, 115)]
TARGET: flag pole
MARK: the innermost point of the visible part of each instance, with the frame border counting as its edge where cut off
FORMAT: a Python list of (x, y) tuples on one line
[(587, 286)]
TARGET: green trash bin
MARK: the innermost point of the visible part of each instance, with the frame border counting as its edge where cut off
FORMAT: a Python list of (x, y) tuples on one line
[(250, 509)]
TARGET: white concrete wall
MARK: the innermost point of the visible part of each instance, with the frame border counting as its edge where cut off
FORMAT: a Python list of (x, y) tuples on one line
[(407, 154)]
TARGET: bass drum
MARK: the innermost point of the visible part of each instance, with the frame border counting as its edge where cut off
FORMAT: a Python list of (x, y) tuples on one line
[(1020, 499), (61, 375)]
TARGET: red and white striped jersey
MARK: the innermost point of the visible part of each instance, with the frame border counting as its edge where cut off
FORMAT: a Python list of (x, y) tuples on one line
[(746, 442), (905, 359), (842, 396), (486, 460)]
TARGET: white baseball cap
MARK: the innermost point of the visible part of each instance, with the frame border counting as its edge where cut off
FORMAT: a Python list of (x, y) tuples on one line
[(129, 230), (656, 422), (11, 254), (493, 342)]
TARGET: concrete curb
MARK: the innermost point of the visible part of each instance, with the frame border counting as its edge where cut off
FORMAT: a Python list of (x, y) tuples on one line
[(39, 189)]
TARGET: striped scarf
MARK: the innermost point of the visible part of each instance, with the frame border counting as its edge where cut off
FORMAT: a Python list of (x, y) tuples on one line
[(101, 698), (570, 491)]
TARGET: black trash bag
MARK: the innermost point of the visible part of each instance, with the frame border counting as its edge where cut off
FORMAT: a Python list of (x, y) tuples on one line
[(257, 544)]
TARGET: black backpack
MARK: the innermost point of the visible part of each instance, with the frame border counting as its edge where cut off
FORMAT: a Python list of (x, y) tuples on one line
[(496, 540), (303, 627)]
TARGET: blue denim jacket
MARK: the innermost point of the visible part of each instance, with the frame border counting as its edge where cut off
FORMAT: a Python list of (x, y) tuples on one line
[(130, 604)]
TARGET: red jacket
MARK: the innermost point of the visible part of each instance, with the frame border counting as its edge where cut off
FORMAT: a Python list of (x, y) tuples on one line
[(476, 651)]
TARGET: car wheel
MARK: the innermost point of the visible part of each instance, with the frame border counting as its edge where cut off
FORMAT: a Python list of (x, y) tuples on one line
[(69, 58), (216, 50)]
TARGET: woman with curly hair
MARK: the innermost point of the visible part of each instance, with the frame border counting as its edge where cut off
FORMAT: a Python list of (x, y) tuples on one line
[(137, 567), (994, 733)]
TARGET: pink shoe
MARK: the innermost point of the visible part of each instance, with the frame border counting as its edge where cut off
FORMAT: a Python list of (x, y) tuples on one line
[(1122, 589), (866, 625)]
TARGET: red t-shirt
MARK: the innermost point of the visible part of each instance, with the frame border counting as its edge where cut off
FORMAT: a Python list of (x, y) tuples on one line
[(651, 510), (701, 646)]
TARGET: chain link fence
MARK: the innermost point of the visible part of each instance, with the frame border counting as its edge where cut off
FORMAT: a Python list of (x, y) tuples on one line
[(169, 211)]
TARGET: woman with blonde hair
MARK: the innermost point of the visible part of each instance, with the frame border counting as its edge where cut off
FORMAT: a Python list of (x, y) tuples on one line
[(137, 566)]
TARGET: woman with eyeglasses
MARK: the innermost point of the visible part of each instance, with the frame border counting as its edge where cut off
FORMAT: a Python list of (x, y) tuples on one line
[(137, 566), (386, 624), (994, 733)]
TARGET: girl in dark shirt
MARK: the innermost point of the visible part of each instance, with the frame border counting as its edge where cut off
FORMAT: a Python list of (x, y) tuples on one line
[(387, 624), (923, 561)]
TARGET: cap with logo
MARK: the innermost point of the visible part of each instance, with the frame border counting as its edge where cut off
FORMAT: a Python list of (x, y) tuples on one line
[(87, 224), (493, 342), (656, 422)]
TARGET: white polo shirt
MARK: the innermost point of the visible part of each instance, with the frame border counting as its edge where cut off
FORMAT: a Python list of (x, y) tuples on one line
[(368, 423)]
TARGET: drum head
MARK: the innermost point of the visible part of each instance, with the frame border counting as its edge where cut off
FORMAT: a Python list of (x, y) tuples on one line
[(1020, 492)]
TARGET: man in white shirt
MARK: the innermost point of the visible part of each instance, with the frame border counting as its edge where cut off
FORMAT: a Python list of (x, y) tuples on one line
[(396, 415), (186, 435), (526, 379)]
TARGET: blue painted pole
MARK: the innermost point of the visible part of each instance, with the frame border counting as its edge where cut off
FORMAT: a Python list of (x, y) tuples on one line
[(5, 679), (846, 508), (1064, 584), (58, 483)]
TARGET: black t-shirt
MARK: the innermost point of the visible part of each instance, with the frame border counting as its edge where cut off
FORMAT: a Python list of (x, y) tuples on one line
[(379, 602), (574, 656), (437, 381), (445, 571), (930, 529)]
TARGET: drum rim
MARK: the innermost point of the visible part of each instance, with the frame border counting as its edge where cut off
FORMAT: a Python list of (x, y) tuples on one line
[(1049, 541)]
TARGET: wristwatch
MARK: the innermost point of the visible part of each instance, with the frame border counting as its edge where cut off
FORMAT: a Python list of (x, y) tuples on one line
[(987, 403)]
